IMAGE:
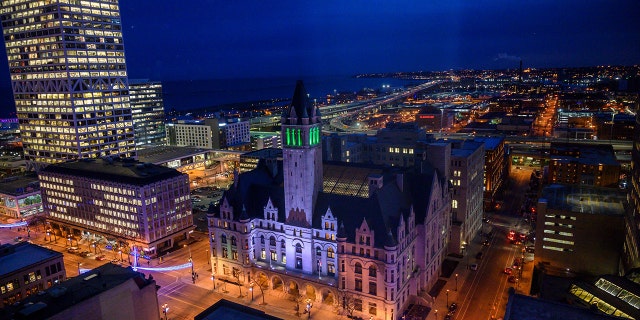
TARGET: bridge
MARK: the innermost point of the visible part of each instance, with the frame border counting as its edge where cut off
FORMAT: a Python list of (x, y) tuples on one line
[(333, 113)]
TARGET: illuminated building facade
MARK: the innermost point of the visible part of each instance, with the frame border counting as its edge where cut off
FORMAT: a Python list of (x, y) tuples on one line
[(467, 179), (117, 202), (195, 133), (69, 79), (364, 239), (235, 135), (147, 108), (495, 163), (594, 165)]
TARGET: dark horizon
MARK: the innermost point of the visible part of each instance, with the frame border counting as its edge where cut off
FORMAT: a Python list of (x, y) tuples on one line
[(167, 41)]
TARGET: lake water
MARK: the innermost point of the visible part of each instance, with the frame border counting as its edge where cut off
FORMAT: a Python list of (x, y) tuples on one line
[(197, 94)]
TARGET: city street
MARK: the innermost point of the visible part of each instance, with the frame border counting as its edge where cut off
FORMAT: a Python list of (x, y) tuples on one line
[(483, 293)]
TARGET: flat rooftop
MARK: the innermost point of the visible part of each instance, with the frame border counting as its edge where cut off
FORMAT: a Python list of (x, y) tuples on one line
[(227, 310), (118, 170), (521, 307), (586, 154), (73, 291), (22, 255), (584, 199), (162, 154), (19, 185)]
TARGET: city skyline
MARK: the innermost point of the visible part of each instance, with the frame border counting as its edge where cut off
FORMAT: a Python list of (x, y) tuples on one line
[(167, 41)]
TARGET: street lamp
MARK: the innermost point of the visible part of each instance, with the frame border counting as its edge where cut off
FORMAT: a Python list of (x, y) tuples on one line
[(251, 289), (456, 282), (435, 314), (48, 236), (208, 258), (120, 252), (193, 274), (309, 306), (79, 263), (213, 279), (447, 298), (165, 310)]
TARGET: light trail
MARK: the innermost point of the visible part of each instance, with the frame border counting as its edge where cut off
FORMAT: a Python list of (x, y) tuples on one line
[(11, 225), (172, 268)]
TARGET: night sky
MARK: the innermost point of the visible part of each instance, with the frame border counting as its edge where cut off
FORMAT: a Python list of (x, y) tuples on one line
[(175, 40)]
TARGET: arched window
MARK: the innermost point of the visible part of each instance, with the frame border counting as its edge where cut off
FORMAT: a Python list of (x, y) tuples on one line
[(373, 271), (358, 268), (298, 248), (223, 238), (330, 253), (233, 240), (318, 251), (282, 245), (262, 239), (272, 241)]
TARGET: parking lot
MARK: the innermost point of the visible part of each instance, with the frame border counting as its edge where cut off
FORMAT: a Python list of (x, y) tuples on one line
[(202, 198)]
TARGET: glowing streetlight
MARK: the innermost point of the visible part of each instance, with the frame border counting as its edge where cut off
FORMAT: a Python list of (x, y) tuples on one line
[(456, 282), (447, 298), (251, 289)]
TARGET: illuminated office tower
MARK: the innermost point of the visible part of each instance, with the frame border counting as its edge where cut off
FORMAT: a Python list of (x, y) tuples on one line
[(148, 112), (69, 79)]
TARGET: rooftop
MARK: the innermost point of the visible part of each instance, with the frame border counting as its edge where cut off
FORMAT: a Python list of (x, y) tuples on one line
[(225, 309), (585, 154), (22, 255), (19, 185), (523, 307), (585, 199), (162, 154), (117, 170), (73, 291)]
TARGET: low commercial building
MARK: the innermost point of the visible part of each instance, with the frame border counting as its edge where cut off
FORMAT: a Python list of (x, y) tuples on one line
[(20, 197), (106, 292), (27, 269), (120, 203)]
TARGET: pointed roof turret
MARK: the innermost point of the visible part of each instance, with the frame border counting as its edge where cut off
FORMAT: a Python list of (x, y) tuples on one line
[(390, 241), (243, 215), (342, 233), (300, 107)]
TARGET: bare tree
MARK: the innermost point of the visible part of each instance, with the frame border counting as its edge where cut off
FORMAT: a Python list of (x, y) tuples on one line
[(346, 302), (263, 284)]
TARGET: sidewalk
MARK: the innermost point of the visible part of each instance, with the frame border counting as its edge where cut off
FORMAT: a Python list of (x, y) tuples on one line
[(277, 302), (452, 289)]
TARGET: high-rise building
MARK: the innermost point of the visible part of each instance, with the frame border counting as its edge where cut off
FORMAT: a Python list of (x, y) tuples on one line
[(69, 79), (147, 108)]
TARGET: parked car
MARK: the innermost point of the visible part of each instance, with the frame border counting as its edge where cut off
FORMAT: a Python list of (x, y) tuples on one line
[(512, 279), (86, 254), (101, 257), (453, 307), (18, 239), (485, 242), (474, 267), (479, 255), (508, 270), (73, 250)]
